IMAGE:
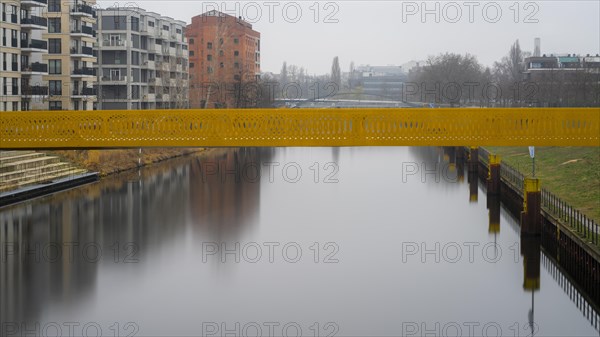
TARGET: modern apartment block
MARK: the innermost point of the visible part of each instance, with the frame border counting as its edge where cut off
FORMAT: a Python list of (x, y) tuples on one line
[(22, 67), (224, 57), (70, 59), (142, 60)]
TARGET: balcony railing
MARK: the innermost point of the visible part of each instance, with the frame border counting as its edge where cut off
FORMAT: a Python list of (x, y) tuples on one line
[(37, 44), (88, 92), (34, 90), (82, 51), (84, 30), (114, 78), (35, 20), (35, 67), (88, 30), (84, 9), (85, 71), (45, 2), (87, 50)]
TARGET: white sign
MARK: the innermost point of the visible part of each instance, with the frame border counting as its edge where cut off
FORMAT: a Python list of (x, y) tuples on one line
[(532, 151)]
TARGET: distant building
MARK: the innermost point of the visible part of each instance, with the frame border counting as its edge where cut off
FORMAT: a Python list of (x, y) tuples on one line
[(563, 80), (224, 57), (142, 60), (379, 81)]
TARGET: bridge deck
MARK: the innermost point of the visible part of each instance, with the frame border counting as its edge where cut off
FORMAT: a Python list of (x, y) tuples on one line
[(300, 127)]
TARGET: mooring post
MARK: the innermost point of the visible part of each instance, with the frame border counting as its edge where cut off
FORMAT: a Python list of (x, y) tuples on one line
[(493, 179), (473, 159), (531, 217)]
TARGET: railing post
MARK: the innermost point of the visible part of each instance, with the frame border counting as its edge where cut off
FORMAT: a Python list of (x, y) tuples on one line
[(531, 218)]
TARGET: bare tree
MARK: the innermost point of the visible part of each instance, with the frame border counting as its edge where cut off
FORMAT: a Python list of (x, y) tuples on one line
[(336, 73)]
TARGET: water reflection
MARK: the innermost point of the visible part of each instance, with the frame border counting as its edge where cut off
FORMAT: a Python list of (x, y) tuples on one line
[(54, 247), (137, 252)]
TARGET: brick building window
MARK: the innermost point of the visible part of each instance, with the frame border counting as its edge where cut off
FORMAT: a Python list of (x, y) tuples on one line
[(209, 57), (209, 45)]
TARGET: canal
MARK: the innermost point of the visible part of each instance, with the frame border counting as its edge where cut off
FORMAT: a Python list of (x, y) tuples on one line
[(286, 241)]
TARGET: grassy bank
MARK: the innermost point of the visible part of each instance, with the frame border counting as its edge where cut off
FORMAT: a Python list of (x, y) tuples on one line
[(571, 173), (112, 161)]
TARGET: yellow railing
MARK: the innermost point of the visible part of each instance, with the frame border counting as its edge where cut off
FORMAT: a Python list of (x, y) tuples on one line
[(301, 127)]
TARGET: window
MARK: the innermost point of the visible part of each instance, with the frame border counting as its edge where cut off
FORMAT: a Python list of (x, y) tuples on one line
[(191, 65), (236, 65), (221, 65), (209, 57), (54, 25), (221, 41), (191, 41), (150, 23), (55, 87), (178, 31), (236, 40), (209, 70), (54, 46), (54, 5), (236, 53), (135, 24), (236, 77), (165, 27), (221, 53), (209, 45), (55, 105), (55, 67), (191, 53)]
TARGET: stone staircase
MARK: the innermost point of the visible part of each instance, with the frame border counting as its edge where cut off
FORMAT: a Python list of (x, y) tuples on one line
[(23, 168)]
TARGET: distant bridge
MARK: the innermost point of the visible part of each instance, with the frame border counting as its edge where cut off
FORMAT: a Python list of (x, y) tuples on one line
[(300, 127)]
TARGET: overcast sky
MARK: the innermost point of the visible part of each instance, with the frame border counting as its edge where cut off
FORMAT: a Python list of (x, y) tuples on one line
[(395, 32)]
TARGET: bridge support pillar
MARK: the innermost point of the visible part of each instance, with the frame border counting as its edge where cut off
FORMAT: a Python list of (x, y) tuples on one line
[(473, 159), (493, 205), (493, 179), (531, 217)]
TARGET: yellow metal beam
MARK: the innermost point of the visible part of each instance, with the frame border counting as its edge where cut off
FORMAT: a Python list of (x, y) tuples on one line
[(301, 127)]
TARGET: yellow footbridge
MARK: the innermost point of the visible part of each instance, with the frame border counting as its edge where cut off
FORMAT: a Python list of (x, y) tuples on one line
[(300, 127)]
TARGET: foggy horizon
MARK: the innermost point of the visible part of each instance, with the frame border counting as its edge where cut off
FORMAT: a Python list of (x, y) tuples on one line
[(397, 32)]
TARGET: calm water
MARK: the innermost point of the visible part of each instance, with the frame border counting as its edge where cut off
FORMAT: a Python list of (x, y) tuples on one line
[(345, 242)]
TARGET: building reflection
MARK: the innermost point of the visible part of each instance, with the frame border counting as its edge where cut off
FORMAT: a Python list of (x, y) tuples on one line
[(52, 248), (225, 191)]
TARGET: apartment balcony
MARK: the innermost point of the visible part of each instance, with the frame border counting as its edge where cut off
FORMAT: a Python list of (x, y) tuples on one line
[(155, 81), (28, 91), (162, 97), (34, 22), (81, 72), (34, 68), (84, 92), (113, 80), (34, 46), (149, 97), (83, 10), (114, 43), (82, 52), (84, 31), (34, 3), (148, 64)]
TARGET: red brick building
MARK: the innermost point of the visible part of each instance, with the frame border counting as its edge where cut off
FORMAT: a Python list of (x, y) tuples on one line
[(224, 60)]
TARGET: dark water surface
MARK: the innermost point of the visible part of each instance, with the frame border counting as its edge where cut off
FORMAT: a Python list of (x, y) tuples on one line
[(345, 242)]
